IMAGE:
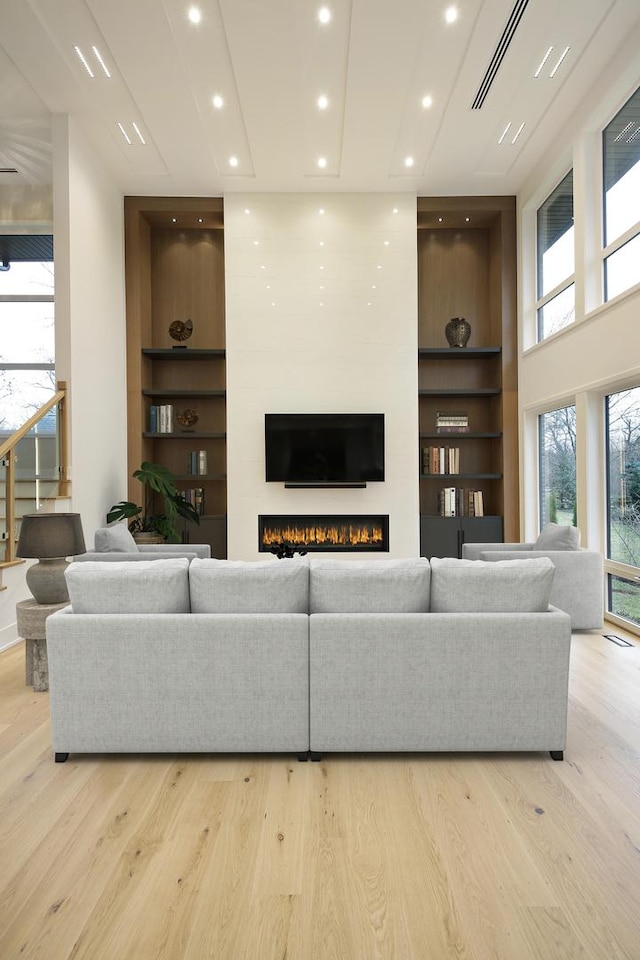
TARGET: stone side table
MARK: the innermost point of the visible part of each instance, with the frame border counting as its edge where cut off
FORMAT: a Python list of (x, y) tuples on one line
[(31, 617)]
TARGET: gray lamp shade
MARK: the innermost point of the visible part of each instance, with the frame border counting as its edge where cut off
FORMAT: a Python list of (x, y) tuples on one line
[(50, 535)]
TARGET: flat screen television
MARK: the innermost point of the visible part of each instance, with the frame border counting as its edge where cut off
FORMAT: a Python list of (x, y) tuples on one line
[(324, 448)]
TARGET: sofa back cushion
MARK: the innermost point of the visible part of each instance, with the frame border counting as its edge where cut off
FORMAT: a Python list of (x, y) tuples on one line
[(146, 586), (240, 586), (369, 586), (114, 539), (558, 536), (479, 586)]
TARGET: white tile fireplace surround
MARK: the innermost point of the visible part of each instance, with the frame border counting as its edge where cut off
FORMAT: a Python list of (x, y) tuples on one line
[(321, 308)]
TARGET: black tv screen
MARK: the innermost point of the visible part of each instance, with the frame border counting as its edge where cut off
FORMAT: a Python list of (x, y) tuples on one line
[(324, 448)]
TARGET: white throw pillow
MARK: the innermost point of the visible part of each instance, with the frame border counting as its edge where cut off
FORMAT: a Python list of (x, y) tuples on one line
[(557, 536), (480, 586), (242, 586), (114, 539), (369, 586), (143, 586)]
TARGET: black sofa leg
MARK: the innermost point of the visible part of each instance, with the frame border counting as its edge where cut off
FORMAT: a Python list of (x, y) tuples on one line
[(557, 754), (303, 757), (61, 757), (315, 757)]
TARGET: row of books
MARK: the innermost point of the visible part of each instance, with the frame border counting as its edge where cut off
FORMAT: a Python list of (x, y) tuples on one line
[(195, 497), (451, 422), (161, 418), (461, 502), (197, 463), (441, 460)]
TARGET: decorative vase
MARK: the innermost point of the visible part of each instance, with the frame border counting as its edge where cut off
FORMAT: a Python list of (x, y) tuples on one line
[(457, 332)]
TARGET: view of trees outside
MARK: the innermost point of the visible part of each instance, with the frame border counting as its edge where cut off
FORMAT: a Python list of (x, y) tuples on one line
[(557, 458), (27, 342), (556, 259), (623, 469)]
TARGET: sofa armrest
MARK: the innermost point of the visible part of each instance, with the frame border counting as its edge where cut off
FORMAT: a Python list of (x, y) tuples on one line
[(202, 550), (123, 556), (473, 551)]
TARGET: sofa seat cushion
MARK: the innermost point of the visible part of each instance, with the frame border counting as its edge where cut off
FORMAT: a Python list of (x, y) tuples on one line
[(146, 586), (479, 586), (558, 536), (242, 586), (114, 539), (369, 586)]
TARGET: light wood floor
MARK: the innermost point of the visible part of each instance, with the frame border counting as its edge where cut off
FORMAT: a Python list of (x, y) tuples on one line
[(409, 857)]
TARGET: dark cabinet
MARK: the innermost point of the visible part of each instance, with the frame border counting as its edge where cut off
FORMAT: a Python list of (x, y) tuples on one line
[(444, 536)]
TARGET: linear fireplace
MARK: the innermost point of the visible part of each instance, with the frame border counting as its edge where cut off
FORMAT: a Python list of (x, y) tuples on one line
[(324, 533)]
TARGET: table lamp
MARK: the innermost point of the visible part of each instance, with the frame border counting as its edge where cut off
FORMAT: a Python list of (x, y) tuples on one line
[(50, 538)]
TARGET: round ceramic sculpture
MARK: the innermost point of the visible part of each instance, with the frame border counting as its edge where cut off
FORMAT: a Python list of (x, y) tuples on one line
[(187, 418), (457, 332)]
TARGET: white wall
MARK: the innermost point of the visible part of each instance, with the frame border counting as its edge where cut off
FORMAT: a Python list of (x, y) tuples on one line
[(90, 321), (293, 347)]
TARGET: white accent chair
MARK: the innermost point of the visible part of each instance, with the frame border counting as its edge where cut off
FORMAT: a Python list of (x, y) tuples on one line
[(115, 543), (578, 586)]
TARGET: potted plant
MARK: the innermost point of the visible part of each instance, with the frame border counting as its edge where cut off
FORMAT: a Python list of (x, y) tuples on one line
[(156, 481)]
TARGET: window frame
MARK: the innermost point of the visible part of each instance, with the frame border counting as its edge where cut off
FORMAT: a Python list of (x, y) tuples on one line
[(542, 300)]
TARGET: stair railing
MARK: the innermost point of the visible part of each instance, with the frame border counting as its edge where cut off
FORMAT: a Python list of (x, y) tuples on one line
[(8, 460)]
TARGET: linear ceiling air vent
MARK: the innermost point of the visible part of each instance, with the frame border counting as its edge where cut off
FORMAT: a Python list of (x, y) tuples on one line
[(499, 53)]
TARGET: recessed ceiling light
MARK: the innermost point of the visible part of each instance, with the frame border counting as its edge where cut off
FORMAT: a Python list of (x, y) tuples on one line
[(322, 268), (124, 133), (324, 14), (451, 14), (408, 161), (386, 243), (373, 286), (218, 101), (233, 161), (322, 162), (173, 220), (321, 243), (520, 129), (562, 56), (321, 210), (427, 101), (98, 57), (246, 210), (256, 243), (83, 61), (504, 132), (467, 219), (323, 102), (379, 266), (200, 220), (194, 15), (138, 133), (440, 219), (395, 210), (262, 266), (542, 63)]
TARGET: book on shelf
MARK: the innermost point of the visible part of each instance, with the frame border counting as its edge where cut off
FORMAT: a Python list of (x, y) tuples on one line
[(195, 496), (441, 460), (198, 462), (451, 422), (153, 418), (460, 502), (163, 418)]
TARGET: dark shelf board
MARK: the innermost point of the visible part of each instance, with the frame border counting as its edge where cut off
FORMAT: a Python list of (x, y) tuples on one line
[(468, 435), (464, 516), (462, 392), (184, 436), (178, 353), (200, 476), (186, 393), (460, 476), (459, 353)]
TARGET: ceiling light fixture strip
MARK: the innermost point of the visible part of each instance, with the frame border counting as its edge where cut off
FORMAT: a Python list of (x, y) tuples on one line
[(499, 54), (557, 66)]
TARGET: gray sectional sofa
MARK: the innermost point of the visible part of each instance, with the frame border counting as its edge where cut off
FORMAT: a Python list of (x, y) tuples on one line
[(309, 656)]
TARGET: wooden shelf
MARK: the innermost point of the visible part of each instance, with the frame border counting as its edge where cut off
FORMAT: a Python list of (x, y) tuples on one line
[(460, 476), (173, 392), (204, 435), (467, 435), (462, 392), (459, 353)]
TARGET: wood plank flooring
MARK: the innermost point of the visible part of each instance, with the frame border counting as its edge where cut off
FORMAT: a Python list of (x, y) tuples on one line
[(405, 857)]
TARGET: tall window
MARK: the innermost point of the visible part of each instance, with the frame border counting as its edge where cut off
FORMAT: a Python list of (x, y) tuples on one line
[(621, 171), (557, 462), (623, 513), (555, 303), (27, 341)]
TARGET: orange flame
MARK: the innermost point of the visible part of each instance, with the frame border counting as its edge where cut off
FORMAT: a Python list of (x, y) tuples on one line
[(347, 534)]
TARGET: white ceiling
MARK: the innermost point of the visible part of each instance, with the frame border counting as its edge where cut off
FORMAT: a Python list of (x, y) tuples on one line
[(270, 60)]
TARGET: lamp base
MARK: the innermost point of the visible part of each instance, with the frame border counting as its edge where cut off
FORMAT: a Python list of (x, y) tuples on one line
[(46, 581)]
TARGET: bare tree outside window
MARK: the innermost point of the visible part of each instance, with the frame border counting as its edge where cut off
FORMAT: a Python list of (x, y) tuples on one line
[(557, 459), (623, 515)]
